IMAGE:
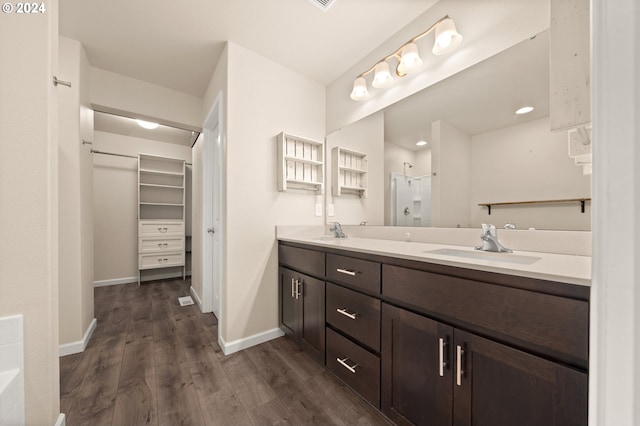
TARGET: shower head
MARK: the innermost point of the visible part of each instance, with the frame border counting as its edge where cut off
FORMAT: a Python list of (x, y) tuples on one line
[(406, 163)]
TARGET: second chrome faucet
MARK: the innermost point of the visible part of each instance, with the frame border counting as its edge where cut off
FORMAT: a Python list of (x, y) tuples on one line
[(490, 241), (337, 230)]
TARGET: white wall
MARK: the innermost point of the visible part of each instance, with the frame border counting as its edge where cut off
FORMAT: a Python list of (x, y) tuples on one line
[(527, 162), (115, 207), (450, 182), (259, 108), (477, 21), (119, 94), (75, 176), (394, 158), (365, 136), (29, 199)]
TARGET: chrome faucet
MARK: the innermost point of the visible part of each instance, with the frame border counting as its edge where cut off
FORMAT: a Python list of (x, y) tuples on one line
[(337, 230), (490, 241)]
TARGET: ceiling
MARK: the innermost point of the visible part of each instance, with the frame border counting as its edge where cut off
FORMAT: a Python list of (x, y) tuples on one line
[(177, 44), (479, 99), (129, 127)]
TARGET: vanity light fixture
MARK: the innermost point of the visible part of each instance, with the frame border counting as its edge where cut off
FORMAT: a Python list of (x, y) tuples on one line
[(447, 39), (524, 110), (421, 143), (146, 124)]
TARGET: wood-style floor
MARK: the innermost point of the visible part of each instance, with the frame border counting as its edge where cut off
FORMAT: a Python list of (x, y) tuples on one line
[(151, 361)]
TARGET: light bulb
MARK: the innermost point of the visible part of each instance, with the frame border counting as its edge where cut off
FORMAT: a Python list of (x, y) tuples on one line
[(146, 124), (409, 60), (524, 110), (382, 77), (359, 91), (447, 37)]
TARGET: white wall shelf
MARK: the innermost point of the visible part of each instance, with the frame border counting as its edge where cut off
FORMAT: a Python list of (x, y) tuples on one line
[(300, 163), (349, 172), (161, 213)]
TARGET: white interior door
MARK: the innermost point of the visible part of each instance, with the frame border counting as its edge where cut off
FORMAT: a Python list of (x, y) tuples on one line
[(212, 213)]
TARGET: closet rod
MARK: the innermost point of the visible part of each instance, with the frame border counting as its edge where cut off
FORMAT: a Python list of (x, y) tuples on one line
[(95, 151)]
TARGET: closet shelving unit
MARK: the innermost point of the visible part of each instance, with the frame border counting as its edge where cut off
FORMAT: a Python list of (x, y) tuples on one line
[(349, 172), (161, 213), (300, 163)]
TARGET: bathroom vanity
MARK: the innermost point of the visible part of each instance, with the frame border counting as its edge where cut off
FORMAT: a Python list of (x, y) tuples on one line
[(436, 338)]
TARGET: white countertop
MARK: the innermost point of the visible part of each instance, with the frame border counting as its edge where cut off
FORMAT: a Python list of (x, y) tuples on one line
[(564, 268)]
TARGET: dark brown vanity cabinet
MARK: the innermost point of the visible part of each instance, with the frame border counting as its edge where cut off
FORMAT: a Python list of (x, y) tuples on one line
[(438, 345), (434, 374), (302, 301), (302, 298)]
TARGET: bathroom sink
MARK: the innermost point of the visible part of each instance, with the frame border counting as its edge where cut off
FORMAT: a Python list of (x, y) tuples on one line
[(484, 255), (325, 238)]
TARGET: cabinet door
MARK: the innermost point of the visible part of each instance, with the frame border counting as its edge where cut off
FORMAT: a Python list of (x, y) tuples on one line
[(312, 333), (289, 315), (500, 386), (416, 368)]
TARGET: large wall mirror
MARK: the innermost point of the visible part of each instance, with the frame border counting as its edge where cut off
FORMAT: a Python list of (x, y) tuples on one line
[(477, 151)]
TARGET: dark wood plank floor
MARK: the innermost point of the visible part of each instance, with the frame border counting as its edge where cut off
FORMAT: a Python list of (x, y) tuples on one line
[(151, 361)]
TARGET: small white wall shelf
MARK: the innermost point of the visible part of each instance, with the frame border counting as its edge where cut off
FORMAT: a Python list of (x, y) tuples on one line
[(349, 174), (300, 163)]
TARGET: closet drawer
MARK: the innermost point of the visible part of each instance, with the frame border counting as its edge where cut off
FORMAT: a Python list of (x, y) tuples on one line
[(164, 260), (359, 273), (357, 367), (150, 245), (355, 314), (147, 228)]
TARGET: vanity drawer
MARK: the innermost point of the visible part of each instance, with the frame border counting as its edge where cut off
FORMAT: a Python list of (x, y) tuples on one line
[(150, 228), (303, 260), (164, 260), (357, 367), (355, 314), (358, 273), (558, 326), (150, 245)]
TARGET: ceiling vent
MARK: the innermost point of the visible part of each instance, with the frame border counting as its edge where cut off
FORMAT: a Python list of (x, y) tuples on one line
[(322, 4)]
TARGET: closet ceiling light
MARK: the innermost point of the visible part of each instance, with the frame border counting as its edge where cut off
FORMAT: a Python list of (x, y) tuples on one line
[(146, 124), (447, 39), (421, 143), (524, 110)]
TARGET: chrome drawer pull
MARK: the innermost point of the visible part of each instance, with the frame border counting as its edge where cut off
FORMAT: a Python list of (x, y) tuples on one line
[(442, 363), (347, 272), (160, 229), (347, 366), (346, 313), (459, 372)]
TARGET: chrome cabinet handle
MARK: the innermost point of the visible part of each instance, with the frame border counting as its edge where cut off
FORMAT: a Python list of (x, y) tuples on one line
[(346, 272), (161, 229), (298, 292), (442, 364), (346, 313), (293, 292), (351, 368), (459, 371)]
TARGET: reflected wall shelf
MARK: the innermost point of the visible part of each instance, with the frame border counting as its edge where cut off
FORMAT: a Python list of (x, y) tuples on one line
[(349, 172), (300, 163), (161, 213), (582, 202)]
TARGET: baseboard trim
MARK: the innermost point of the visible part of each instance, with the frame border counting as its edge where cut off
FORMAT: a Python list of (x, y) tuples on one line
[(196, 298), (116, 281), (61, 420), (80, 345), (237, 345)]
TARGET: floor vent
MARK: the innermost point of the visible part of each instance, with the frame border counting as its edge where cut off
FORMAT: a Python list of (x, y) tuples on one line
[(185, 301), (322, 4)]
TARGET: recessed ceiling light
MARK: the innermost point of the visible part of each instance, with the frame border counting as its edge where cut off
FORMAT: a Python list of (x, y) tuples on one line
[(146, 124), (524, 110), (421, 143)]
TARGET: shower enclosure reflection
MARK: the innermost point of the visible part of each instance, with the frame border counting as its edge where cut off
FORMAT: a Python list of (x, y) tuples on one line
[(410, 200)]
